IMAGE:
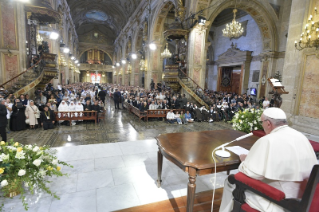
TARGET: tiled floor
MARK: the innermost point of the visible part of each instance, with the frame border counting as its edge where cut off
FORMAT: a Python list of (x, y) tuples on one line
[(108, 177)]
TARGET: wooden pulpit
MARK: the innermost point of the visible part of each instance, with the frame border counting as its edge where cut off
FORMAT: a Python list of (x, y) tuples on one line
[(277, 90)]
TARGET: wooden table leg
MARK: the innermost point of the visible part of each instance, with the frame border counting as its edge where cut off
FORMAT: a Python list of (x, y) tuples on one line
[(191, 189), (159, 168)]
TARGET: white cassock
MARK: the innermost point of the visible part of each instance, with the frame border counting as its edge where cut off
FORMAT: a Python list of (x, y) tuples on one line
[(283, 159)]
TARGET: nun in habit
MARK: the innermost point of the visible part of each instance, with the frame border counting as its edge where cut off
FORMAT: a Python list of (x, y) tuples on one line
[(72, 109), (79, 109), (63, 107)]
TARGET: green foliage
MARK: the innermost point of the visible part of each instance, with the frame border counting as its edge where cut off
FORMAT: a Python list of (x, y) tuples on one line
[(247, 120), (25, 167)]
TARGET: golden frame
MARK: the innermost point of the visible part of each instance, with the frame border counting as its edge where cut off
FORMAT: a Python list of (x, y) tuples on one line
[(15, 27)]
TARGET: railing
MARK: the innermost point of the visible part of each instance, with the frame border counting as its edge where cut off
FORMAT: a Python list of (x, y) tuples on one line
[(195, 87), (14, 78), (182, 74)]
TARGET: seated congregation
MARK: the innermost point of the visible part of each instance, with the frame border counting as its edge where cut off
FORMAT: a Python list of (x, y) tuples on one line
[(179, 109), (70, 104)]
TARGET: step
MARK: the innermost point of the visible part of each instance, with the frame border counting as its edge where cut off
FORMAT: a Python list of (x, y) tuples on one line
[(202, 203)]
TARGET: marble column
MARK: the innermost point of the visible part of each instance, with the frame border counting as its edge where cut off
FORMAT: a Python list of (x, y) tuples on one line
[(299, 72), (197, 54)]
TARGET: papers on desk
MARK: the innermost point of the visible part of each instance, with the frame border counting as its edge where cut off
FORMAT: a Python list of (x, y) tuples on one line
[(238, 150)]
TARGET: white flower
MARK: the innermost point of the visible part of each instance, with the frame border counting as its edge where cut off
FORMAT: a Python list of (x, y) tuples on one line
[(21, 172), (256, 128), (55, 162), (240, 121), (37, 162), (12, 148), (4, 183), (42, 172), (29, 147), (20, 155), (4, 157), (26, 184), (255, 122), (40, 152), (35, 149), (242, 116)]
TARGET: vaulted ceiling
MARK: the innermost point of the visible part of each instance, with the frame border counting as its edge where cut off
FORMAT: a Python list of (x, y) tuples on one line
[(108, 16)]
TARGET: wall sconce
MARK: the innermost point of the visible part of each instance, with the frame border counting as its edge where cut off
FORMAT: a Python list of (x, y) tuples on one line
[(123, 61), (117, 64)]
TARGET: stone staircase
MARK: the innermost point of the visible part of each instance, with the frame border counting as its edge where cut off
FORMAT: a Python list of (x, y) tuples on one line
[(35, 77), (189, 86)]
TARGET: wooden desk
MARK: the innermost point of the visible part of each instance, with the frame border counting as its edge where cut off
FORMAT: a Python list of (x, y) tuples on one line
[(192, 152)]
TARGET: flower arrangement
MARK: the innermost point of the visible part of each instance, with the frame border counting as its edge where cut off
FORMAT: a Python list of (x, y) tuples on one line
[(247, 120), (25, 167)]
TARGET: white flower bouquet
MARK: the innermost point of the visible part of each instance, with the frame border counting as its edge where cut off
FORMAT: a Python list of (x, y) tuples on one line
[(26, 167), (247, 120)]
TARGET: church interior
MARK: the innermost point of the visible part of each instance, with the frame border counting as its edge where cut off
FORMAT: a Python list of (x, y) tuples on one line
[(137, 100)]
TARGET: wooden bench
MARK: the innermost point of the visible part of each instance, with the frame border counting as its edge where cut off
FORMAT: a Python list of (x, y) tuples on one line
[(161, 113), (76, 116), (138, 113)]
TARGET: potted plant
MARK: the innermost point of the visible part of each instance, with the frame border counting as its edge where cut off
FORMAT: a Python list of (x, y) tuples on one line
[(26, 167), (247, 120)]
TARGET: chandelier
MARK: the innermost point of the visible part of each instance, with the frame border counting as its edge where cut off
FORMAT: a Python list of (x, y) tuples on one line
[(166, 53), (310, 36), (233, 29)]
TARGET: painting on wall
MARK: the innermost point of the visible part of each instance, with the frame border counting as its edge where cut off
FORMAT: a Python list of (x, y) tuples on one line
[(309, 96), (255, 77)]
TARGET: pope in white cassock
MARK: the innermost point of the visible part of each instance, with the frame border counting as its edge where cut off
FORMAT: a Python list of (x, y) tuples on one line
[(283, 158)]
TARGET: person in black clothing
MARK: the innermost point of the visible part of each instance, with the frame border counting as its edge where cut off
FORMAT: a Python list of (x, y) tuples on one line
[(87, 106), (143, 107), (102, 95), (152, 84), (117, 98), (18, 116), (47, 118), (3, 120)]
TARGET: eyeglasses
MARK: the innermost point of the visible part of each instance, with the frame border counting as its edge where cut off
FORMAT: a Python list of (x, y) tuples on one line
[(261, 122)]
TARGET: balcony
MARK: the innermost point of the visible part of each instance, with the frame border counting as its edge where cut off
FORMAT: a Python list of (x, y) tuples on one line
[(95, 67)]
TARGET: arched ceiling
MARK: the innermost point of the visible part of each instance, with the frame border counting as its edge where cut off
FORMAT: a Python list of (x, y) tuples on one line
[(106, 15)]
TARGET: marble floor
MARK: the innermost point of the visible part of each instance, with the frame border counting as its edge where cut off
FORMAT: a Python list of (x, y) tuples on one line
[(115, 164), (113, 176), (118, 126)]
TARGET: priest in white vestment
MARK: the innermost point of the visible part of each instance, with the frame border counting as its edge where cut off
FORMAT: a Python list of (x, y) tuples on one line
[(283, 158)]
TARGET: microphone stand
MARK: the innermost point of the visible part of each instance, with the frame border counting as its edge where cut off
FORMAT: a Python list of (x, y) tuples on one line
[(225, 154)]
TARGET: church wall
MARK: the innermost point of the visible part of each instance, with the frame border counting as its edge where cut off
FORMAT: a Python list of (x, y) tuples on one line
[(251, 42)]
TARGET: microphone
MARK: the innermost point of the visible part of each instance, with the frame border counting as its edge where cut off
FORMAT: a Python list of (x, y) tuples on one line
[(225, 154)]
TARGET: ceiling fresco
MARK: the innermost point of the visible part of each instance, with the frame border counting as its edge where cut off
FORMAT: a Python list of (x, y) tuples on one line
[(108, 16)]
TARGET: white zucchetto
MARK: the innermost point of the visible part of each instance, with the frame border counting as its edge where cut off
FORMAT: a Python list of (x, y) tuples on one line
[(275, 113)]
